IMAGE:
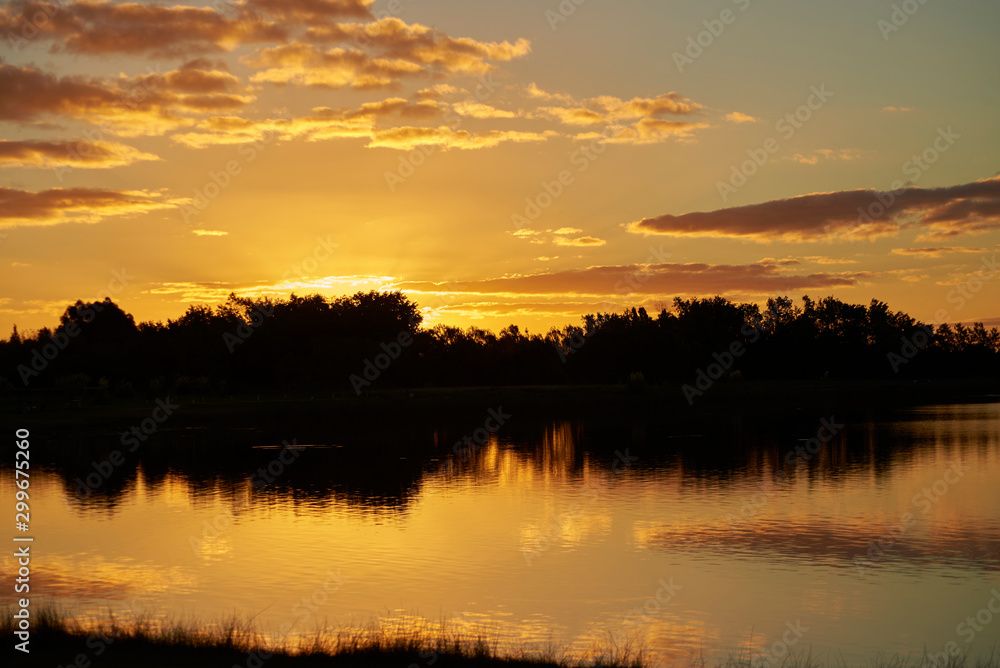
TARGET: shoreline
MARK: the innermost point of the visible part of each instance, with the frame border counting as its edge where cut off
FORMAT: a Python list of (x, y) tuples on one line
[(90, 405), (57, 639)]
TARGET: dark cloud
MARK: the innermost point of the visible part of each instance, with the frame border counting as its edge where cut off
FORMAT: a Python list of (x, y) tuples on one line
[(72, 153), (304, 64), (417, 43), (312, 11), (100, 28), (73, 205), (936, 252), (971, 208), (146, 104), (655, 279)]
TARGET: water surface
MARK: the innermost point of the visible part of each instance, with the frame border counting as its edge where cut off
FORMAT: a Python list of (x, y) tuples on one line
[(883, 539)]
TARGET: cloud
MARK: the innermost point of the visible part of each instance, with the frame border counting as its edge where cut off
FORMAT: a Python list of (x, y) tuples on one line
[(479, 110), (936, 252), (69, 153), (819, 259), (654, 130), (897, 109), (327, 124), (738, 117), (132, 28), (74, 205), (610, 109), (209, 233), (574, 116), (786, 262), (972, 208), (814, 157), (312, 11), (560, 237), (218, 291), (305, 65), (662, 280), (534, 91), (580, 241), (323, 124), (147, 104), (102, 28), (409, 137), (391, 107), (422, 45), (436, 92), (640, 120)]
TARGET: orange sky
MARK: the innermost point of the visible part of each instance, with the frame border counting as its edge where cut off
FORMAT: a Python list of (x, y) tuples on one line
[(499, 162)]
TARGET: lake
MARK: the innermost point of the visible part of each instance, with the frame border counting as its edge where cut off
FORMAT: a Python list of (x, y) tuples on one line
[(843, 537)]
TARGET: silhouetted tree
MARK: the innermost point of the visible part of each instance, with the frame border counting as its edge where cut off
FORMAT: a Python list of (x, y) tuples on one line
[(314, 343)]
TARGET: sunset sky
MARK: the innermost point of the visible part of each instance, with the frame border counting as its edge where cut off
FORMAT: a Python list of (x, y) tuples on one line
[(524, 161)]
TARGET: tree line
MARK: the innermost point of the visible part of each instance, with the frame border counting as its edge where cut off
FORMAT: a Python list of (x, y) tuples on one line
[(375, 340)]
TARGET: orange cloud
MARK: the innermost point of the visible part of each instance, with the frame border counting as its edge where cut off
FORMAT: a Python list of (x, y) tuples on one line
[(69, 153), (101, 28), (580, 241), (814, 157), (420, 44), (936, 252), (535, 92), (972, 208), (643, 117), (394, 106), (739, 117), (312, 11), (73, 205), (651, 130), (819, 259), (609, 109), (305, 65), (326, 124), (661, 280), (479, 110), (406, 138), (436, 92), (212, 291), (574, 115), (148, 104)]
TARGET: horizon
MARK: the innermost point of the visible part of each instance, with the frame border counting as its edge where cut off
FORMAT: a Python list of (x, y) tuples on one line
[(519, 164), (26, 333)]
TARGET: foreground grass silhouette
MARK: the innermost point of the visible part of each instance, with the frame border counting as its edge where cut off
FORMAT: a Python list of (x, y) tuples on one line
[(58, 641)]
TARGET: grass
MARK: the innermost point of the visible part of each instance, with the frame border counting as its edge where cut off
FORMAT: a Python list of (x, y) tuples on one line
[(60, 641)]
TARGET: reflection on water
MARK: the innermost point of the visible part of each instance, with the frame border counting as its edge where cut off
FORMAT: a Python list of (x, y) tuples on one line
[(885, 538)]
